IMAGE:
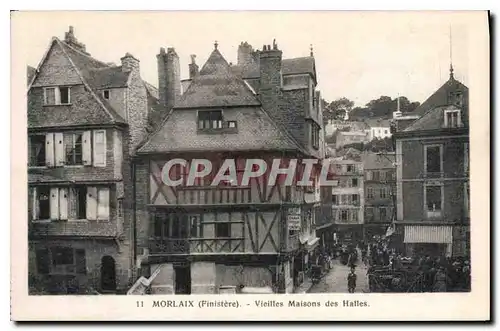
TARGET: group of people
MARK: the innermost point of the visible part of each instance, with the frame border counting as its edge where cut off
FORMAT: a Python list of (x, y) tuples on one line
[(442, 274)]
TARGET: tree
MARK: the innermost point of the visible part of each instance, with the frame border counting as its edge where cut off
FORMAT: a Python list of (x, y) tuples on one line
[(383, 107), (337, 109)]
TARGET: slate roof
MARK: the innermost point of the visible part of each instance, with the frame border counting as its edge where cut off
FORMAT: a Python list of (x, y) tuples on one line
[(96, 75), (299, 65), (431, 112), (440, 97), (217, 86), (375, 161)]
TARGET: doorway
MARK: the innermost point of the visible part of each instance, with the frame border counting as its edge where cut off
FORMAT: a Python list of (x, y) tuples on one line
[(182, 279), (108, 274)]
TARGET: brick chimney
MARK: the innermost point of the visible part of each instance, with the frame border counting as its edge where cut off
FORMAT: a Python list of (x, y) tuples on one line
[(129, 63), (245, 54), (169, 77), (193, 67), (70, 39), (270, 78)]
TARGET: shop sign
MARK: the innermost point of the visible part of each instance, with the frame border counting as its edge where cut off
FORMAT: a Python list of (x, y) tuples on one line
[(294, 218)]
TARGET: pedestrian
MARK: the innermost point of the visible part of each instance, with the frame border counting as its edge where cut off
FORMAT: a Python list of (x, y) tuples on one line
[(440, 280), (351, 281)]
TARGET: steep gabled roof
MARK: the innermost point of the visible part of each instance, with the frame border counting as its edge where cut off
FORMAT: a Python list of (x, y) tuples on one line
[(373, 160), (217, 86), (256, 132), (30, 73), (440, 97)]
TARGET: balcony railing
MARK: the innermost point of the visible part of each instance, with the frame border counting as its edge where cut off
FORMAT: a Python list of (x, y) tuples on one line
[(180, 246)]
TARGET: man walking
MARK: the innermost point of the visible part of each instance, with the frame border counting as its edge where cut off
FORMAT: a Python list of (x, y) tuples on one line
[(351, 281)]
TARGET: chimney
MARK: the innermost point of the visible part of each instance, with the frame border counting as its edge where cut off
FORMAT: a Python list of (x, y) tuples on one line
[(70, 39), (245, 54), (129, 63), (169, 77), (270, 78), (193, 67)]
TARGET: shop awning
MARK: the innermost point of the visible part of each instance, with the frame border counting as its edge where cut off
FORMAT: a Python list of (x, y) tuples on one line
[(428, 234)]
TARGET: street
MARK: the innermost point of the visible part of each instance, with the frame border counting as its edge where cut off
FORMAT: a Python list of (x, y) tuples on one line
[(336, 280)]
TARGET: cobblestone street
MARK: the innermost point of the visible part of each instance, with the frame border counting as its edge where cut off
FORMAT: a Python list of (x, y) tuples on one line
[(336, 280)]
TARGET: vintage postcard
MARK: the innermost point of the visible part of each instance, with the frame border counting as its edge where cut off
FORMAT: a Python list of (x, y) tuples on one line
[(250, 166)]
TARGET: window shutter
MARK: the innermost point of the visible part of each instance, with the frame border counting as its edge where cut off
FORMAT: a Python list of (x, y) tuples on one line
[(42, 261), (49, 149), (86, 148), (54, 203), (35, 204), (100, 148), (103, 204), (63, 203), (59, 149), (91, 203), (81, 266)]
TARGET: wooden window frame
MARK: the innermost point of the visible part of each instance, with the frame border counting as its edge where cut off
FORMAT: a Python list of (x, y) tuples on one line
[(57, 96)]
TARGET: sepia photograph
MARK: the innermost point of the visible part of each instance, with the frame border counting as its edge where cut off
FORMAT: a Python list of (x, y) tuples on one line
[(298, 153)]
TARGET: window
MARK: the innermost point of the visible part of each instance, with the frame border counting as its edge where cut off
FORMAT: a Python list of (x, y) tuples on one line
[(223, 230), (210, 120), (383, 192), (120, 208), (433, 200), (369, 212), (376, 176), (344, 215), (73, 148), (369, 193), (386, 131), (354, 182), (382, 176), (335, 200), (432, 158), (315, 135), (354, 216), (452, 118), (61, 260), (50, 203), (466, 158), (105, 94), (355, 199), (231, 124), (350, 168), (37, 151), (467, 197), (80, 197), (196, 227), (459, 100), (369, 175), (97, 204), (383, 213), (57, 96), (42, 207)]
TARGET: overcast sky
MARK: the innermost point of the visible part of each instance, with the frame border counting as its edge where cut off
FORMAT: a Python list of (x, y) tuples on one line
[(358, 55)]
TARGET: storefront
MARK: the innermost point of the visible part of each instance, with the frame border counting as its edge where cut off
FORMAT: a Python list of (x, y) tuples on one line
[(428, 240)]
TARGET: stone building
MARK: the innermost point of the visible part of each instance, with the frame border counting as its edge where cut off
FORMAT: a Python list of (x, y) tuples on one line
[(379, 191), (231, 237), (348, 197), (85, 118), (432, 156)]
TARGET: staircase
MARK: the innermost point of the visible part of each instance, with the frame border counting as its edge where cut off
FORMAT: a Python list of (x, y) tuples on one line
[(142, 285)]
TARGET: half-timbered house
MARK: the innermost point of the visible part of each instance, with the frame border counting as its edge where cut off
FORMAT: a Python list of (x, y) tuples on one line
[(84, 118), (232, 237)]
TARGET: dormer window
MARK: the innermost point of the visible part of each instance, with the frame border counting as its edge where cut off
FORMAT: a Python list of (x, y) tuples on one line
[(452, 118), (105, 94), (56, 96), (210, 120)]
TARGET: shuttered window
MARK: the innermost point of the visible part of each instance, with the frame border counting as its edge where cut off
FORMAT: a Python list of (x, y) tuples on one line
[(100, 148), (97, 203)]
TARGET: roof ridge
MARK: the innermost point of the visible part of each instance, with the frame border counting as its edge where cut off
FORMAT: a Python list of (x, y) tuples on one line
[(84, 54), (85, 81)]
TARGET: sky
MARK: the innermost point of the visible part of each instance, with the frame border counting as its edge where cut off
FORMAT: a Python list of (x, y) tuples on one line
[(359, 55)]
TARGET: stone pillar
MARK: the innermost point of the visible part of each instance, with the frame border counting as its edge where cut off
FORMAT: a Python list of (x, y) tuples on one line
[(164, 282), (203, 278)]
